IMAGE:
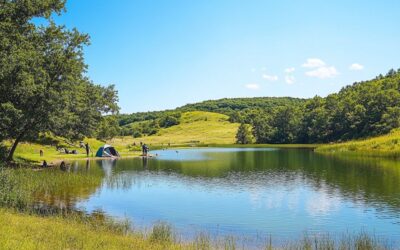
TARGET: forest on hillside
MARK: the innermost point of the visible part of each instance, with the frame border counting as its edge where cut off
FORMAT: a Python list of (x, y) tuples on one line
[(360, 110)]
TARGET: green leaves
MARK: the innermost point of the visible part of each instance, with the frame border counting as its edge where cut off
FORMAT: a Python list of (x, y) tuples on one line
[(42, 82)]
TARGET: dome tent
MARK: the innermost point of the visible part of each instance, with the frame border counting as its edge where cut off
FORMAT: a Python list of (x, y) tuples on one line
[(107, 151)]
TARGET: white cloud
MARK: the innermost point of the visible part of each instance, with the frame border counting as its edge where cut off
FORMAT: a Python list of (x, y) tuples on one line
[(289, 79), (323, 72), (270, 77), (356, 66), (313, 63), (252, 86), (289, 70)]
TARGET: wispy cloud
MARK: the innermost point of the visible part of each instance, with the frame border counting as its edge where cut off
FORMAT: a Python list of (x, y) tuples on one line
[(323, 72), (313, 63), (290, 70), (290, 79), (270, 77), (356, 66), (252, 86)]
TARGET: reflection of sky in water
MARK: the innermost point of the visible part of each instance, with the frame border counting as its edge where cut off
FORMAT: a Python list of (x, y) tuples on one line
[(281, 204), (198, 154)]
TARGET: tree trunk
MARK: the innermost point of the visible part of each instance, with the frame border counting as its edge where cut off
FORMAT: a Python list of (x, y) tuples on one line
[(14, 146)]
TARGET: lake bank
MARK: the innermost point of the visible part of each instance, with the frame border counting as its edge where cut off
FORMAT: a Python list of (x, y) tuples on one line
[(380, 146), (151, 182)]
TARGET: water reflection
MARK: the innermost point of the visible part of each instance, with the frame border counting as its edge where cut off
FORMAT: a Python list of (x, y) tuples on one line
[(250, 191)]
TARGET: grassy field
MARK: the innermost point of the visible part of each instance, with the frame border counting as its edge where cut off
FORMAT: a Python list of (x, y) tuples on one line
[(386, 145), (29, 152), (195, 128), (21, 231)]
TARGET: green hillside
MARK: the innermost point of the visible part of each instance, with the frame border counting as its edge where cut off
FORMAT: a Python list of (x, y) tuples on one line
[(196, 127), (385, 145)]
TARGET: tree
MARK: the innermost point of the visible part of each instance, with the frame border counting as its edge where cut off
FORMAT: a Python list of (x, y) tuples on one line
[(43, 86), (243, 135), (108, 128)]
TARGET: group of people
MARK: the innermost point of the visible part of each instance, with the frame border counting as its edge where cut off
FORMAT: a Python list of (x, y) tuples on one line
[(66, 151)]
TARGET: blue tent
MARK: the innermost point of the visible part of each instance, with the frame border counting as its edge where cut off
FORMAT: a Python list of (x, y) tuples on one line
[(107, 151)]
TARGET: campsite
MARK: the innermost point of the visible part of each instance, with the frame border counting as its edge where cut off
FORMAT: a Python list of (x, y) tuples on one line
[(199, 125)]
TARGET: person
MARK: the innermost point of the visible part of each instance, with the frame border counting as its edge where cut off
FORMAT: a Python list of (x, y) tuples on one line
[(145, 150), (41, 152), (44, 165), (87, 149), (82, 144)]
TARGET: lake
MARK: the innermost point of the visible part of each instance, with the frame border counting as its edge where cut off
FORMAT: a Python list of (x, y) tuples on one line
[(248, 192)]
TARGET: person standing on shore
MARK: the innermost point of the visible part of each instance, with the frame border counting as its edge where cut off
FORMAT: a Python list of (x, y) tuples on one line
[(87, 147)]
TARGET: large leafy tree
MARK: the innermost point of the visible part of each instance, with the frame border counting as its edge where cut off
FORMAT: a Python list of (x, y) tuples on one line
[(243, 135), (42, 76)]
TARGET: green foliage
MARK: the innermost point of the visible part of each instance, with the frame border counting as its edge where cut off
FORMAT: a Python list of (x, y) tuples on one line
[(231, 106), (147, 123), (108, 128), (243, 135), (42, 82), (361, 110)]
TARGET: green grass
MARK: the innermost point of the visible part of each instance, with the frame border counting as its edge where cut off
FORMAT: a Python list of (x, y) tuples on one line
[(385, 145), (22, 231), (195, 128), (29, 152)]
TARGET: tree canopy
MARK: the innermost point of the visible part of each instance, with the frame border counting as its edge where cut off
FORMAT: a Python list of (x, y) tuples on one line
[(43, 86)]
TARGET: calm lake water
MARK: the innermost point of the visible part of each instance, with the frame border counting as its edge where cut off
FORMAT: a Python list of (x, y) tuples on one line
[(249, 192)]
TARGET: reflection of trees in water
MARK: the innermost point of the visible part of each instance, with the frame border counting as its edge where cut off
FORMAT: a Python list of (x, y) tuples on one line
[(79, 181), (360, 179)]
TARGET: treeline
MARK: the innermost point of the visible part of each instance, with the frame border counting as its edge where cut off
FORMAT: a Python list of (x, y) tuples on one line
[(234, 106), (360, 110), (147, 123)]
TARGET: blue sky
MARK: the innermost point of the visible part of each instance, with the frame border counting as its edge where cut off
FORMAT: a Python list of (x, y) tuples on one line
[(166, 53)]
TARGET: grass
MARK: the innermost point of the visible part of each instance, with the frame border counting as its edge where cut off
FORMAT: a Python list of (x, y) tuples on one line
[(385, 145), (195, 128), (29, 152), (22, 231)]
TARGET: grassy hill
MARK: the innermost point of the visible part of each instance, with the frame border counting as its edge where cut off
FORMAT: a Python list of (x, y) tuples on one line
[(196, 127), (385, 145)]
